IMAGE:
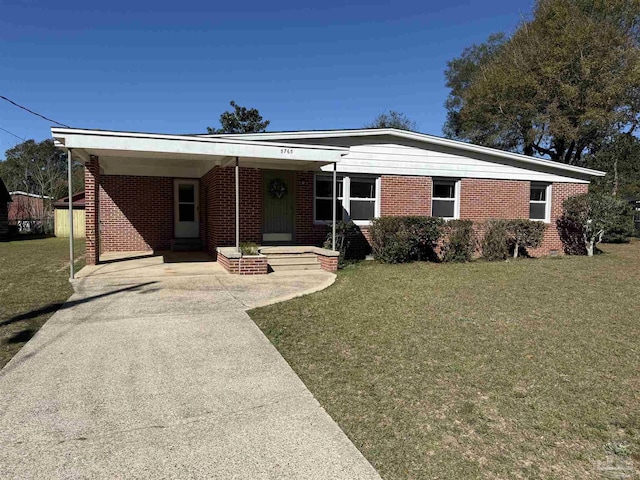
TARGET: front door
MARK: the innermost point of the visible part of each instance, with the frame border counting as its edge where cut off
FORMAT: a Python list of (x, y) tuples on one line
[(186, 206), (279, 203)]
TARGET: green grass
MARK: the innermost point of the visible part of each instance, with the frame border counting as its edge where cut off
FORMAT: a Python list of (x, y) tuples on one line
[(525, 369), (34, 282)]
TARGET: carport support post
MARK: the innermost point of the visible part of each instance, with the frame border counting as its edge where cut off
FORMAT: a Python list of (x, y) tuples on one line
[(333, 227), (70, 189), (237, 205)]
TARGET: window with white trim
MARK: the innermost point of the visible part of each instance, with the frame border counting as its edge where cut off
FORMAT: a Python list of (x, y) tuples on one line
[(362, 198), (358, 198), (539, 205), (445, 199), (324, 198)]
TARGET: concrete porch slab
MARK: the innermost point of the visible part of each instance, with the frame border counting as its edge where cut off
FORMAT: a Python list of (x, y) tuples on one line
[(149, 264)]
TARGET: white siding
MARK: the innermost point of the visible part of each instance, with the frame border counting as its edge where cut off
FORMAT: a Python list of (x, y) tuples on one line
[(393, 159)]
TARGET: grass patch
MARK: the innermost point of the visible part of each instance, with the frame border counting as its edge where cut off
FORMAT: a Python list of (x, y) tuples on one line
[(525, 369), (34, 283)]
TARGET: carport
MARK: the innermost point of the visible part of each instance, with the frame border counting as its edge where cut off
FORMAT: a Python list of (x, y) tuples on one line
[(180, 157)]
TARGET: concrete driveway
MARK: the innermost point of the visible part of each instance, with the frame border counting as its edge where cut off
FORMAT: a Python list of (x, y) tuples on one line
[(167, 378)]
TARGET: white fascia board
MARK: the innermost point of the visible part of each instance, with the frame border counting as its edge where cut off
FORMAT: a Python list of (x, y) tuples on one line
[(420, 137), (179, 144)]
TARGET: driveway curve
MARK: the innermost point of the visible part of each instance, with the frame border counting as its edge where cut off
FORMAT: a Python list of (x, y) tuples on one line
[(167, 378)]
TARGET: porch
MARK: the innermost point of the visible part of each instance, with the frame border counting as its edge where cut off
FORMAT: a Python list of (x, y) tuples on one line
[(148, 192)]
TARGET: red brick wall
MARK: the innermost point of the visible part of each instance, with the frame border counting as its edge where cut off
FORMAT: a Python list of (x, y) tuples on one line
[(405, 196), (254, 265), (219, 190), (92, 207), (136, 213), (329, 264), (481, 199)]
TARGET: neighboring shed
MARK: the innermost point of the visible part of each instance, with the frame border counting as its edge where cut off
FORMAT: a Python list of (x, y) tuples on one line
[(30, 212), (61, 216), (5, 198)]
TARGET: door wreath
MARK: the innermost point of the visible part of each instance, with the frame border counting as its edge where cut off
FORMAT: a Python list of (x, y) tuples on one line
[(277, 188)]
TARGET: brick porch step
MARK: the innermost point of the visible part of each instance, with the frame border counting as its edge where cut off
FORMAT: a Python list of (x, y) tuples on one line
[(283, 258)]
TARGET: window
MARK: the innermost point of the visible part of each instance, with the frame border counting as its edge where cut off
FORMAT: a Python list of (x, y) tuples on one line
[(324, 199), (538, 202), (357, 200), (444, 202), (362, 199)]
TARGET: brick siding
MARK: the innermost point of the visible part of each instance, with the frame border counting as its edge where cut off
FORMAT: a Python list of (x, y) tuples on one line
[(405, 195), (136, 213), (330, 264), (92, 209)]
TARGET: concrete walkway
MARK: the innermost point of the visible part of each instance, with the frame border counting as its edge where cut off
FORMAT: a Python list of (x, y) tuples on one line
[(167, 378)]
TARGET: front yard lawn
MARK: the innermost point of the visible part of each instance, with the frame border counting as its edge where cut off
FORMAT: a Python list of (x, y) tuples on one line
[(525, 369), (34, 282)]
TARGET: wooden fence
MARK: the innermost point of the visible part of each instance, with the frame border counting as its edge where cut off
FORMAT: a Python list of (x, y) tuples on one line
[(62, 223)]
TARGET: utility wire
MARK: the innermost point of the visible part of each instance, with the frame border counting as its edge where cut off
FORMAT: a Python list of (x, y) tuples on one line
[(32, 112), (11, 133)]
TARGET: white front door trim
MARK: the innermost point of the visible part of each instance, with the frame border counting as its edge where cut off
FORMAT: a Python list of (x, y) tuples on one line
[(190, 227)]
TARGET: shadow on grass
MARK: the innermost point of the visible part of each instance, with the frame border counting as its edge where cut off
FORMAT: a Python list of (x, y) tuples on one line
[(27, 236), (23, 336), (53, 307)]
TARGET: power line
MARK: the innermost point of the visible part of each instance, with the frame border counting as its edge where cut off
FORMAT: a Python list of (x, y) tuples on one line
[(32, 112), (11, 133)]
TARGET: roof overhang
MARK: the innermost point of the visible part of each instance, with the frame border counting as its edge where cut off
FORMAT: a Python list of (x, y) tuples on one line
[(130, 153), (525, 160)]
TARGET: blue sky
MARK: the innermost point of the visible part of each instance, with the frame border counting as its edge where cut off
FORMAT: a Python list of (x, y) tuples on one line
[(173, 67)]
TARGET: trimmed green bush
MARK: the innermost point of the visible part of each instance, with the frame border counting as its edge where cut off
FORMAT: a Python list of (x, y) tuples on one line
[(495, 243), (504, 238), (459, 243), (403, 239), (525, 234)]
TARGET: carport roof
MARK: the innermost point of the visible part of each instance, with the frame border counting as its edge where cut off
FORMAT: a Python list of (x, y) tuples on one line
[(133, 153)]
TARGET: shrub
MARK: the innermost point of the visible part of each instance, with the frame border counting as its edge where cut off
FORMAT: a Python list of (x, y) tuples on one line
[(588, 217), (525, 234), (459, 243), (249, 248), (402, 239), (350, 242), (495, 243), (511, 237)]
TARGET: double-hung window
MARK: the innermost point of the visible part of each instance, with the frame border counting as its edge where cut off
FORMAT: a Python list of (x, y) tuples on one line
[(358, 198), (324, 198), (539, 205), (362, 198), (445, 200)]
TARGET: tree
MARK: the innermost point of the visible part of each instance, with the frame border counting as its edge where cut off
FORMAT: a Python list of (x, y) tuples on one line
[(562, 83), (39, 168), (240, 120), (393, 119), (619, 156), (588, 217)]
